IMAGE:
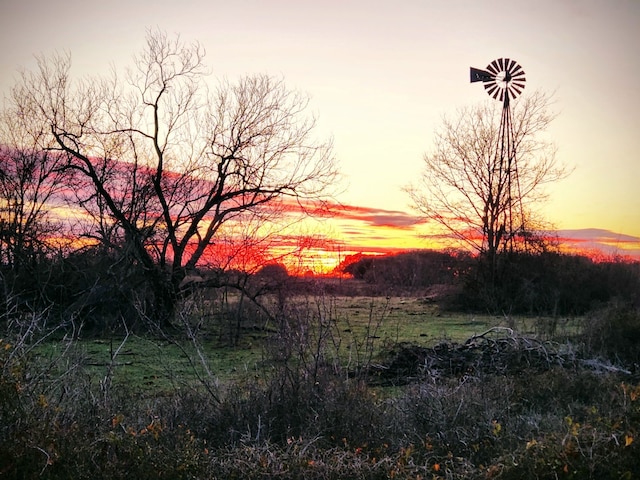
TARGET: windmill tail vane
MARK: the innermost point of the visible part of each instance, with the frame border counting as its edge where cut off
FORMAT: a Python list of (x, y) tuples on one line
[(478, 75)]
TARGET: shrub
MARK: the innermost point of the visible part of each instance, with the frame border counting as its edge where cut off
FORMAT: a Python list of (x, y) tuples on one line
[(548, 284), (613, 332)]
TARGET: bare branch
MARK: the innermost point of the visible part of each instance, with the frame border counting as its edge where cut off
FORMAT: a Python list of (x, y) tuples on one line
[(465, 189)]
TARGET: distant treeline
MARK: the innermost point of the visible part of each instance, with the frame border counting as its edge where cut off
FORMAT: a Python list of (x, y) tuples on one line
[(96, 288), (541, 283)]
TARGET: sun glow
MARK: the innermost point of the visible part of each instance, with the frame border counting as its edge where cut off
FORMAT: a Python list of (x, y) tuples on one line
[(318, 239)]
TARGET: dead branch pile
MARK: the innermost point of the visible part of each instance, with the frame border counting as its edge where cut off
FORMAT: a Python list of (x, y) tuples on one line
[(498, 351)]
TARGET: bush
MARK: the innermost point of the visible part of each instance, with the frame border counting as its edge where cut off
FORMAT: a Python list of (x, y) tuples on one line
[(613, 332), (548, 284)]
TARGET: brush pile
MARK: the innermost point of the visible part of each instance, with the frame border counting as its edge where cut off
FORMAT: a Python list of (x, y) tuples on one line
[(498, 351)]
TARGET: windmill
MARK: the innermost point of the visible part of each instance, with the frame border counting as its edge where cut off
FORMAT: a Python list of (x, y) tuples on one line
[(504, 80)]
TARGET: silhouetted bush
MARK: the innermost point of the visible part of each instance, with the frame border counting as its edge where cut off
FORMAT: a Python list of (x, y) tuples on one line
[(613, 332), (548, 284), (544, 283), (415, 269), (96, 288)]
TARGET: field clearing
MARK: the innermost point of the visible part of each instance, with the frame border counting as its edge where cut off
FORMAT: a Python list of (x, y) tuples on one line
[(420, 321), (154, 367), (361, 328)]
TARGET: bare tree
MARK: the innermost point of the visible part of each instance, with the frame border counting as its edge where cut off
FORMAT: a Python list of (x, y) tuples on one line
[(31, 182), (469, 194), (170, 162)]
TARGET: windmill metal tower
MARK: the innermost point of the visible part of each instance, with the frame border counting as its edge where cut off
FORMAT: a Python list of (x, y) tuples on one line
[(504, 80)]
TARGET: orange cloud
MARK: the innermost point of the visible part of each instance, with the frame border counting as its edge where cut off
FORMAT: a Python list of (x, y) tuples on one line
[(376, 217)]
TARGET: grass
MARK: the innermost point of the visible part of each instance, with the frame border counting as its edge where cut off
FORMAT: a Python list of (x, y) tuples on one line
[(369, 325), (154, 367), (407, 319), (416, 320)]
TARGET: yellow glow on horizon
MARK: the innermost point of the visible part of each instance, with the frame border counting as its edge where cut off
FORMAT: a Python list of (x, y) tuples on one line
[(317, 245)]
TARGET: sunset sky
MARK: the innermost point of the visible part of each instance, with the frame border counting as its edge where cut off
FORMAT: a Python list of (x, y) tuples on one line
[(381, 75)]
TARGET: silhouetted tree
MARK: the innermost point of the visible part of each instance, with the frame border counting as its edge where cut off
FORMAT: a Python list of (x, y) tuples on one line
[(31, 183), (467, 191), (164, 164), (463, 187)]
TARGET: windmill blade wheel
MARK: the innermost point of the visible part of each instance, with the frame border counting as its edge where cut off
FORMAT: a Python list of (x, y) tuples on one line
[(507, 79)]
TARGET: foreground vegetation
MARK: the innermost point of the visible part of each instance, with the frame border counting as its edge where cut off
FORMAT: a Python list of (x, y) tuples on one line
[(329, 387)]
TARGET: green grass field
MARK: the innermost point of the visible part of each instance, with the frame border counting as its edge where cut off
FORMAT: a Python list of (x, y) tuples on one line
[(362, 328)]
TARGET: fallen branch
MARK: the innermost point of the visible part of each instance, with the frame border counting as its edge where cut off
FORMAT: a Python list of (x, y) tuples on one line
[(480, 354)]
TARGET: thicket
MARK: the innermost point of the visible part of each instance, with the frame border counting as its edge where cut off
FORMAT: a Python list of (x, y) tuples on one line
[(410, 269), (545, 283), (90, 287)]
